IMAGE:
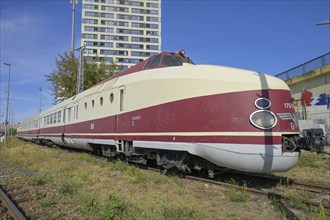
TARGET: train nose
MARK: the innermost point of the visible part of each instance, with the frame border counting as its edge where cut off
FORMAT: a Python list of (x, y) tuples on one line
[(248, 157)]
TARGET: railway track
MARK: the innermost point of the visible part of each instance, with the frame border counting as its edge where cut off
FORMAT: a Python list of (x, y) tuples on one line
[(267, 188), (8, 208), (270, 194), (17, 197), (266, 181), (292, 183), (257, 184)]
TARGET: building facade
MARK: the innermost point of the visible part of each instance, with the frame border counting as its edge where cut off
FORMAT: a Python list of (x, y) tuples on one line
[(310, 87), (121, 31)]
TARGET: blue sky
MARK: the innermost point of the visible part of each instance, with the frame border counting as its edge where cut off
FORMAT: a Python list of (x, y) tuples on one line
[(266, 36)]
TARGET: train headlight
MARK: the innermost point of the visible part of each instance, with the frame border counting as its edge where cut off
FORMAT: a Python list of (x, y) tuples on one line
[(262, 103), (263, 119)]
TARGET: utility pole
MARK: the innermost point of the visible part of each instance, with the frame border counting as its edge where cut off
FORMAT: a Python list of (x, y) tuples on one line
[(9, 122), (73, 3), (40, 99), (6, 122), (80, 76)]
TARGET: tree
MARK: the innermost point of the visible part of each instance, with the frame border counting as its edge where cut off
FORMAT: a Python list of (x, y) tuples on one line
[(64, 77)]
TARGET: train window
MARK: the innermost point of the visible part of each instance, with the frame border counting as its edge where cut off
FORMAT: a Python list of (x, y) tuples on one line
[(77, 112), (122, 93), (51, 119), (111, 97), (101, 101), (169, 60), (153, 62), (184, 59), (55, 118), (93, 103), (85, 105), (63, 115), (59, 116), (69, 114)]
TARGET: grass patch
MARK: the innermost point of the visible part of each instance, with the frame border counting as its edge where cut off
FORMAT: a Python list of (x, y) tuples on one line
[(80, 186), (68, 187), (92, 205), (85, 157), (278, 206), (52, 216), (321, 213), (46, 202), (119, 165), (311, 168), (166, 210), (180, 212), (299, 199), (308, 159), (114, 207), (38, 180), (236, 194)]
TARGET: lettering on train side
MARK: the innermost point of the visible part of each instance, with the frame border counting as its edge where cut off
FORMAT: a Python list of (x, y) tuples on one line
[(135, 119)]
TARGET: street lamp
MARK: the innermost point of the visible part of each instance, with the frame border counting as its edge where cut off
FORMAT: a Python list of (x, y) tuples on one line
[(73, 3), (6, 121)]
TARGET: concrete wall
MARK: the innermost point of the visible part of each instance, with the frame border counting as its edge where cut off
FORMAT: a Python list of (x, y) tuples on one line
[(311, 91)]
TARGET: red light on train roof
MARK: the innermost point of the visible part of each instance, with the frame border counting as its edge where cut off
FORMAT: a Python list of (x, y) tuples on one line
[(181, 52)]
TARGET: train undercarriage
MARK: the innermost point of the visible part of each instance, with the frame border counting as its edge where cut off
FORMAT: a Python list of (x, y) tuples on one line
[(310, 140), (165, 159)]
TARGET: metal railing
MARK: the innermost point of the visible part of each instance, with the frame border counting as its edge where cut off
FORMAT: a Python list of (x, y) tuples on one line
[(305, 67)]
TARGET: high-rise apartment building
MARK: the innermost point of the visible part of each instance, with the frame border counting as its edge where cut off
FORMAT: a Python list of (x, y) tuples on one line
[(123, 31)]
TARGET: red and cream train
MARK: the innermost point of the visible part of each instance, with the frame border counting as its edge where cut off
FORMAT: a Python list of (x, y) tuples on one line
[(182, 115)]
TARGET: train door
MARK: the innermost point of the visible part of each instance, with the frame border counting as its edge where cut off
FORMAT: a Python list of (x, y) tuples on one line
[(122, 93), (64, 122), (39, 119), (121, 109)]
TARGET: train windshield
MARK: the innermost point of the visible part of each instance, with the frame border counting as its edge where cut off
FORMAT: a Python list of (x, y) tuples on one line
[(167, 60)]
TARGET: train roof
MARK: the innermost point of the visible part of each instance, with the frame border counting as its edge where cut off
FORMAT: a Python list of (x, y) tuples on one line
[(161, 60)]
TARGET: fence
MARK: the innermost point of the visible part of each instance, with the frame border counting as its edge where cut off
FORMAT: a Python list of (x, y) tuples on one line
[(305, 67)]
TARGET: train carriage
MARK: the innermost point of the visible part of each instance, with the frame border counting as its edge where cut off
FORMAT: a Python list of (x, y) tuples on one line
[(182, 115)]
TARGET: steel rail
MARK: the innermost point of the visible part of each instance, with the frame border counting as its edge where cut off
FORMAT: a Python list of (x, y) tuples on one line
[(12, 208), (255, 191), (285, 181)]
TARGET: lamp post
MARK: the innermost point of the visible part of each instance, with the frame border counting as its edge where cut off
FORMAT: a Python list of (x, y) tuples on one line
[(73, 3), (6, 121)]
